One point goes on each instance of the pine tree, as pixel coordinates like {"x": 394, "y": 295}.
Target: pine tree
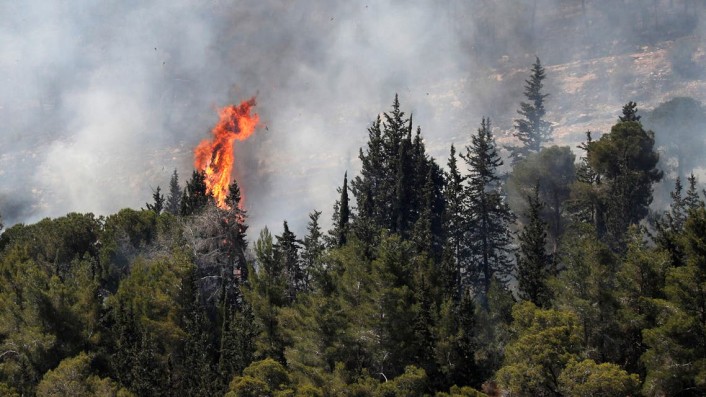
{"x": 553, "y": 170}
{"x": 158, "y": 202}
{"x": 533, "y": 263}
{"x": 531, "y": 129}
{"x": 629, "y": 113}
{"x": 692, "y": 201}
{"x": 586, "y": 205}
{"x": 194, "y": 198}
{"x": 675, "y": 358}
{"x": 488, "y": 215}
{"x": 173, "y": 204}
{"x": 626, "y": 161}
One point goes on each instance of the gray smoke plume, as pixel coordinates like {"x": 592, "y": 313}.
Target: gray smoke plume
{"x": 100, "y": 101}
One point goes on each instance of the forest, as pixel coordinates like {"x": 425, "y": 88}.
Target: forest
{"x": 552, "y": 276}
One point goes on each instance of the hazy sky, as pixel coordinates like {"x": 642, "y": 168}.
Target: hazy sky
{"x": 100, "y": 101}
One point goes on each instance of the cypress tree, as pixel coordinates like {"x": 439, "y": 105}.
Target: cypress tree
{"x": 428, "y": 232}
{"x": 343, "y": 214}
{"x": 402, "y": 209}
{"x": 533, "y": 262}
{"x": 237, "y": 345}
{"x": 197, "y": 361}
{"x": 381, "y": 162}
{"x": 455, "y": 250}
{"x": 313, "y": 248}
{"x": 488, "y": 214}
{"x": 149, "y": 378}
{"x": 367, "y": 186}
{"x": 338, "y": 235}
{"x": 235, "y": 226}
{"x": 423, "y": 326}
{"x": 173, "y": 204}
{"x": 466, "y": 344}
{"x": 126, "y": 339}
{"x": 287, "y": 253}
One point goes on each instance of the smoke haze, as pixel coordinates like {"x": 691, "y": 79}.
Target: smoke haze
{"x": 100, "y": 101}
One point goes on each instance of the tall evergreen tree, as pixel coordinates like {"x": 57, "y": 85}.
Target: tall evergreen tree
{"x": 586, "y": 205}
{"x": 267, "y": 293}
{"x": 428, "y": 231}
{"x": 126, "y": 341}
{"x": 237, "y": 345}
{"x": 630, "y": 113}
{"x": 287, "y": 253}
{"x": 381, "y": 170}
{"x": 343, "y": 218}
{"x": 488, "y": 214}
{"x": 626, "y": 161}
{"x": 149, "y": 377}
{"x": 455, "y": 222}
{"x": 235, "y": 227}
{"x": 313, "y": 248}
{"x": 367, "y": 186}
{"x": 466, "y": 343}
{"x": 676, "y": 354}
{"x": 531, "y": 129}
{"x": 533, "y": 263}
{"x": 403, "y": 204}
{"x": 158, "y": 198}
{"x": 553, "y": 170}
{"x": 173, "y": 204}
{"x": 194, "y": 198}
{"x": 199, "y": 376}
{"x": 423, "y": 325}
{"x": 395, "y": 134}
{"x": 692, "y": 201}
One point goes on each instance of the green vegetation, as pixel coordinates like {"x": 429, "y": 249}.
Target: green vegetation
{"x": 427, "y": 284}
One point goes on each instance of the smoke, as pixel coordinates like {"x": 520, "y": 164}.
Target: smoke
{"x": 100, "y": 101}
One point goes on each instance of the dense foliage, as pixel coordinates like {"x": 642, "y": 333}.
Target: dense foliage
{"x": 427, "y": 284}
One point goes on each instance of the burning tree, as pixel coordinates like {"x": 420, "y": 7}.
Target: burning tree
{"x": 215, "y": 157}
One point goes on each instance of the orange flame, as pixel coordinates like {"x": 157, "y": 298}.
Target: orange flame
{"x": 215, "y": 156}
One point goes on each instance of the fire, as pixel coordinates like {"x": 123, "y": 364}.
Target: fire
{"x": 215, "y": 156}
